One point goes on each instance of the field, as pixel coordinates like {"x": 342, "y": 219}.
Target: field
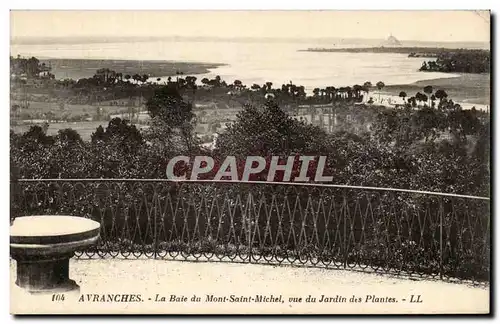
{"x": 85, "y": 129}
{"x": 469, "y": 88}
{"x": 209, "y": 113}
{"x": 82, "y": 68}
{"x": 72, "y": 109}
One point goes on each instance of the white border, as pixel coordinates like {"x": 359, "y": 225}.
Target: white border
{"x": 200, "y": 4}
{"x": 256, "y": 5}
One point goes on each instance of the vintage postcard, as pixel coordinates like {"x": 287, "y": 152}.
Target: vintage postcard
{"x": 250, "y": 162}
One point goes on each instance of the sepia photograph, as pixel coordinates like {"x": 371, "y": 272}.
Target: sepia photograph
{"x": 250, "y": 162}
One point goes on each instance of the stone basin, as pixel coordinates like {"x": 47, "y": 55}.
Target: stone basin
{"x": 42, "y": 246}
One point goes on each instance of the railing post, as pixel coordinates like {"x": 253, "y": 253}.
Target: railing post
{"x": 249, "y": 240}
{"x": 155, "y": 240}
{"x": 250, "y": 236}
{"x": 249, "y": 226}
{"x": 441, "y": 212}
{"x": 345, "y": 229}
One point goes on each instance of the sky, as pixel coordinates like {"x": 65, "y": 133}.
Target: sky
{"x": 439, "y": 26}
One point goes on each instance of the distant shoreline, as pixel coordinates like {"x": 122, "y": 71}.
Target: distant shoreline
{"x": 471, "y": 88}
{"x": 85, "y": 68}
{"x": 413, "y": 51}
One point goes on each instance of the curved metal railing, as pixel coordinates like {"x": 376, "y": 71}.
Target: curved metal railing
{"x": 334, "y": 226}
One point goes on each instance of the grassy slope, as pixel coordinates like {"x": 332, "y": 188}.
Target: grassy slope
{"x": 85, "y": 129}
{"x": 471, "y": 88}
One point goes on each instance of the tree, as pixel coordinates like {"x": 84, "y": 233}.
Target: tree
{"x": 117, "y": 151}
{"x": 269, "y": 85}
{"x": 269, "y": 130}
{"x": 357, "y": 90}
{"x": 137, "y": 77}
{"x": 31, "y": 153}
{"x": 237, "y": 84}
{"x": 441, "y": 94}
{"x": 418, "y": 97}
{"x": 348, "y": 90}
{"x": 167, "y": 105}
{"x": 181, "y": 83}
{"x": 386, "y": 126}
{"x": 217, "y": 80}
{"x": 15, "y": 109}
{"x": 120, "y": 128}
{"x": 191, "y": 81}
{"x": 424, "y": 98}
{"x": 412, "y": 101}
{"x": 380, "y": 86}
{"x": 428, "y": 90}
{"x": 433, "y": 101}
{"x": 98, "y": 136}
{"x": 402, "y": 94}
{"x": 463, "y": 122}
{"x": 426, "y": 123}
{"x": 255, "y": 87}
{"x": 32, "y": 67}
{"x": 68, "y": 137}
{"x": 460, "y": 60}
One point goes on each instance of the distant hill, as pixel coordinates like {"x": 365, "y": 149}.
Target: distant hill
{"x": 433, "y": 52}
{"x": 337, "y": 42}
{"x": 391, "y": 41}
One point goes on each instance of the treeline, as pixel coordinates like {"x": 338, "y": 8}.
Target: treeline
{"x": 462, "y": 61}
{"x": 441, "y": 148}
{"x": 404, "y": 148}
{"x": 29, "y": 68}
{"x": 411, "y": 51}
{"x": 383, "y": 49}
{"x": 110, "y": 85}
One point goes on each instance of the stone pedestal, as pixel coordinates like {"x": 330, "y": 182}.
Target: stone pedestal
{"x": 42, "y": 247}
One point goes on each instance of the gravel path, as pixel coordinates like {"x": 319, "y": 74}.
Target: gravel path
{"x": 149, "y": 278}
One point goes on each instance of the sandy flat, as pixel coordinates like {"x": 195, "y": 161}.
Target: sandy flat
{"x": 148, "y": 278}
{"x": 466, "y": 88}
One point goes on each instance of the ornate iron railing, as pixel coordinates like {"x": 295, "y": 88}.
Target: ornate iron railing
{"x": 371, "y": 229}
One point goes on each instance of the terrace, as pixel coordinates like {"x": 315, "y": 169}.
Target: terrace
{"x": 317, "y": 238}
